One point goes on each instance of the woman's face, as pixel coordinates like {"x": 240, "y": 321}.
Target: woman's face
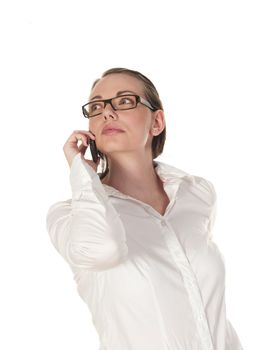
{"x": 136, "y": 123}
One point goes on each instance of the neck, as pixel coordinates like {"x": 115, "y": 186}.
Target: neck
{"x": 136, "y": 177}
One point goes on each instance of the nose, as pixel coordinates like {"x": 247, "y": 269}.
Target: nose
{"x": 109, "y": 112}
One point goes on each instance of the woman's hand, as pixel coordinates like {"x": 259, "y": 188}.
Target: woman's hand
{"x": 71, "y": 148}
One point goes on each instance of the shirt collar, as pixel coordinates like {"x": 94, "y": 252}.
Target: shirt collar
{"x": 170, "y": 174}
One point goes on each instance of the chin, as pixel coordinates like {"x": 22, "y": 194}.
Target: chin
{"x": 110, "y": 146}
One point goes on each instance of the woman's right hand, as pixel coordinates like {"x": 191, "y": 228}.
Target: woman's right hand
{"x": 71, "y": 148}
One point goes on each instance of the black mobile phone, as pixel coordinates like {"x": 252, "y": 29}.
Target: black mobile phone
{"x": 93, "y": 149}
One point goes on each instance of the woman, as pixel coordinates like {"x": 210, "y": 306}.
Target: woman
{"x": 138, "y": 236}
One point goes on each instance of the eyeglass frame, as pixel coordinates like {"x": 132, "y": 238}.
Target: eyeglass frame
{"x": 139, "y": 99}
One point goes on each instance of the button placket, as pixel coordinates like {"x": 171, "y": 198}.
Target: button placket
{"x": 191, "y": 285}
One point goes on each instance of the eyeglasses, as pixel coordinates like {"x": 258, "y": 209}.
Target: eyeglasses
{"x": 124, "y": 102}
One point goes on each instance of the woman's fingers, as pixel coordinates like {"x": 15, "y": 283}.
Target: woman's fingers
{"x": 71, "y": 147}
{"x": 86, "y": 132}
{"x": 82, "y": 138}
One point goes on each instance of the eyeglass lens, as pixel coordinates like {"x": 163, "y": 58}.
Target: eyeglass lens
{"x": 119, "y": 103}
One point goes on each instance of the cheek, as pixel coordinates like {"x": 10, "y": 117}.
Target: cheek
{"x": 95, "y": 127}
{"x": 139, "y": 120}
{"x": 139, "y": 126}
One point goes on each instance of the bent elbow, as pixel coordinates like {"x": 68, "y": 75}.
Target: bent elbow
{"x": 83, "y": 254}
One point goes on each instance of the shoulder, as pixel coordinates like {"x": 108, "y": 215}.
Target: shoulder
{"x": 206, "y": 189}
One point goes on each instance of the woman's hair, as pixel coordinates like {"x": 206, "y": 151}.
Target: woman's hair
{"x": 152, "y": 96}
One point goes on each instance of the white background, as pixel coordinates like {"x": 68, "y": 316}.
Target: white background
{"x": 206, "y": 60}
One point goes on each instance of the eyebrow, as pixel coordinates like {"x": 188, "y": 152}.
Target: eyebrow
{"x": 117, "y": 94}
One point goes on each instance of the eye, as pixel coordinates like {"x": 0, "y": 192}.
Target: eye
{"x": 126, "y": 100}
{"x": 95, "y": 106}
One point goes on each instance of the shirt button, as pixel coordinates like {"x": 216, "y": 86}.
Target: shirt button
{"x": 163, "y": 223}
{"x": 200, "y": 317}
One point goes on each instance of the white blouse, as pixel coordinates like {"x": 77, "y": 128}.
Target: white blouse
{"x": 151, "y": 281}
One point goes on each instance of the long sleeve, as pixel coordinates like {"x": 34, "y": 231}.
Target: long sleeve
{"x": 208, "y": 195}
{"x": 232, "y": 340}
{"x": 213, "y": 210}
{"x": 205, "y": 191}
{"x": 87, "y": 230}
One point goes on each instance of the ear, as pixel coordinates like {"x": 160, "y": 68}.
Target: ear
{"x": 158, "y": 122}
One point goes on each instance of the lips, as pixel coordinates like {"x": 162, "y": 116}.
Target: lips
{"x": 112, "y": 132}
{"x": 108, "y": 129}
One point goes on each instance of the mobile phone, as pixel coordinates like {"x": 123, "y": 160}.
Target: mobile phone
{"x": 93, "y": 149}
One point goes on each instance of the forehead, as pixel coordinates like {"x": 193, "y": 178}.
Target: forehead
{"x": 108, "y": 86}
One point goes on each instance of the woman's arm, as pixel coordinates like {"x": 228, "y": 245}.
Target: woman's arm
{"x": 87, "y": 230}
{"x": 212, "y": 216}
